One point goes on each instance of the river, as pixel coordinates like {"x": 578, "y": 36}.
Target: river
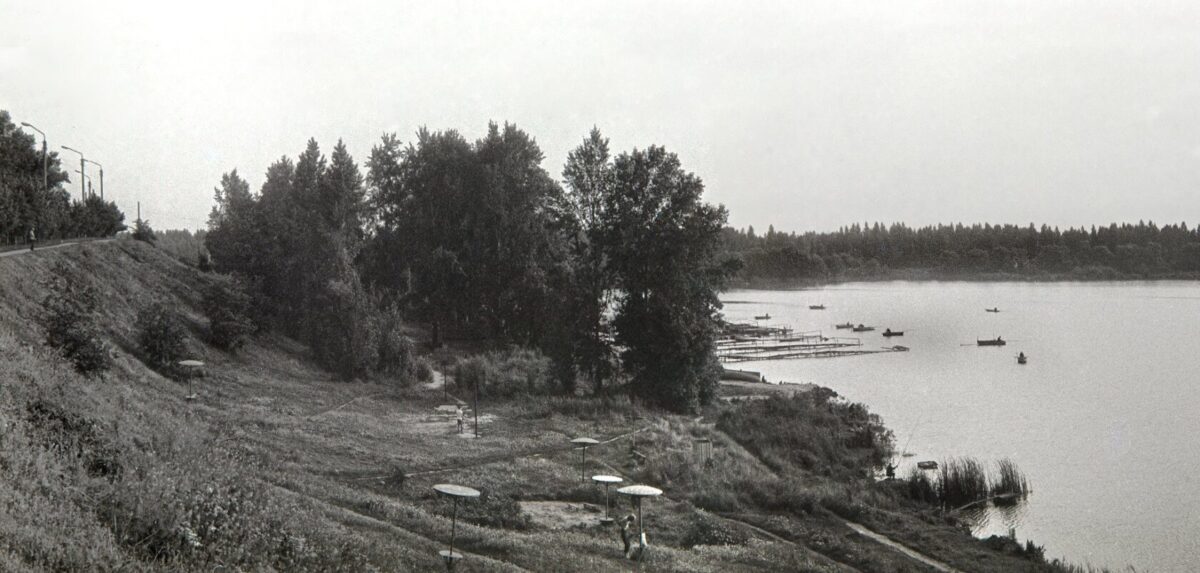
{"x": 1104, "y": 419}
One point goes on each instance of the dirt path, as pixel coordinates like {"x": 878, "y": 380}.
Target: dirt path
{"x": 49, "y": 247}
{"x": 910, "y": 553}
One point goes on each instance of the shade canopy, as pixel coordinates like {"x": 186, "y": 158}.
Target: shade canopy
{"x": 585, "y": 441}
{"x": 640, "y": 491}
{"x": 455, "y": 490}
{"x": 191, "y": 363}
{"x": 607, "y": 479}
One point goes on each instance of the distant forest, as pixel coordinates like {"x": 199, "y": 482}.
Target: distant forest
{"x": 876, "y": 251}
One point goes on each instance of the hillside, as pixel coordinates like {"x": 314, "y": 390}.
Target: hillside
{"x": 278, "y": 466}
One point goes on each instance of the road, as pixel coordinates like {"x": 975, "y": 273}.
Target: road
{"x": 26, "y": 251}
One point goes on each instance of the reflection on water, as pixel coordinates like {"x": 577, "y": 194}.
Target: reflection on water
{"x": 1102, "y": 419}
{"x": 991, "y": 519}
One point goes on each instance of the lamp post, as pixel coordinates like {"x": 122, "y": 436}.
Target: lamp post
{"x": 97, "y": 164}
{"x": 45, "y": 156}
{"x": 82, "y": 171}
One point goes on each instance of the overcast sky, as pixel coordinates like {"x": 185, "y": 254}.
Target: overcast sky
{"x": 805, "y": 115}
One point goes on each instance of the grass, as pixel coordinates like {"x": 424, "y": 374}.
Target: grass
{"x": 279, "y": 467}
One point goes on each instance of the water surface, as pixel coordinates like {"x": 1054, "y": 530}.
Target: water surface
{"x": 1104, "y": 419}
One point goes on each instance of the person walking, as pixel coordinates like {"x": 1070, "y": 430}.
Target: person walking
{"x": 32, "y": 237}
{"x": 459, "y": 414}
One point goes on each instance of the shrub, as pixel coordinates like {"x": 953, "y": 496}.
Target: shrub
{"x": 70, "y": 312}
{"x": 227, "y": 307}
{"x": 705, "y": 530}
{"x": 143, "y": 232}
{"x": 161, "y": 335}
{"x": 504, "y": 374}
{"x": 395, "y": 349}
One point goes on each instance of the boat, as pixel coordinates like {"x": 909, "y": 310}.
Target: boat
{"x": 861, "y": 328}
{"x": 993, "y": 309}
{"x": 898, "y": 348}
{"x": 998, "y": 341}
{"x": 816, "y": 307}
{"x": 890, "y": 332}
{"x": 844, "y": 325}
{"x": 763, "y": 317}
{"x": 927, "y": 465}
{"x": 1021, "y": 359}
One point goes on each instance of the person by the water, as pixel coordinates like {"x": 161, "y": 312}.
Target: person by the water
{"x": 32, "y": 237}
{"x": 459, "y": 414}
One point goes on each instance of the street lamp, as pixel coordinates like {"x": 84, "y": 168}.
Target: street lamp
{"x": 97, "y": 164}
{"x": 45, "y": 156}
{"x": 85, "y": 178}
{"x": 82, "y": 170}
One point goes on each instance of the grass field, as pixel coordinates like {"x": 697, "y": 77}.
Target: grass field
{"x": 277, "y": 466}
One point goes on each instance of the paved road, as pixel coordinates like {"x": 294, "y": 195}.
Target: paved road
{"x": 26, "y": 250}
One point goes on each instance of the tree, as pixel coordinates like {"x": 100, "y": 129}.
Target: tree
{"x": 588, "y": 175}
{"x": 662, "y": 243}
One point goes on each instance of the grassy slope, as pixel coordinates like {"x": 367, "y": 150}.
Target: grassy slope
{"x": 277, "y": 466}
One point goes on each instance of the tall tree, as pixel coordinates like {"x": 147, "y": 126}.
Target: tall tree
{"x": 588, "y": 175}
{"x": 662, "y": 243}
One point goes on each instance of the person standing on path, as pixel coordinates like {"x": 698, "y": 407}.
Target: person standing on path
{"x": 459, "y": 414}
{"x": 32, "y": 237}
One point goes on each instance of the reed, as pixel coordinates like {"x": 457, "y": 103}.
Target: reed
{"x": 962, "y": 481}
{"x": 1010, "y": 481}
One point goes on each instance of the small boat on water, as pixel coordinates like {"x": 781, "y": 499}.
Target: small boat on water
{"x": 844, "y": 325}
{"x": 1021, "y": 359}
{"x": 861, "y": 328}
{"x": 763, "y": 317}
{"x": 816, "y": 307}
{"x": 993, "y": 309}
{"x": 998, "y": 341}
{"x": 898, "y": 348}
{"x": 927, "y": 465}
{"x": 890, "y": 332}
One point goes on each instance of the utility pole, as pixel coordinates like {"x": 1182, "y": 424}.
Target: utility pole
{"x": 82, "y": 170}
{"x": 45, "y": 157}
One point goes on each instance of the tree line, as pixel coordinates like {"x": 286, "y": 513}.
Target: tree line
{"x": 612, "y": 271}
{"x": 1142, "y": 250}
{"x": 33, "y": 194}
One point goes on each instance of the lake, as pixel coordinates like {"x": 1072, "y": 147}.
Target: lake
{"x": 1104, "y": 419}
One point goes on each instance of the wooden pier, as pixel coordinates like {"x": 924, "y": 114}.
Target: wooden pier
{"x": 747, "y": 342}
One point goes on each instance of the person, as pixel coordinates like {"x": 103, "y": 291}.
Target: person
{"x": 628, "y": 532}
{"x": 32, "y": 237}
{"x": 891, "y": 471}
{"x": 459, "y": 414}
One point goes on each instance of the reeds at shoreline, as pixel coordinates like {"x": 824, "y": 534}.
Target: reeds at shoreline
{"x": 965, "y": 481}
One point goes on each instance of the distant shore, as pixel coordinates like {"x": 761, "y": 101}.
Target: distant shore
{"x": 933, "y": 275}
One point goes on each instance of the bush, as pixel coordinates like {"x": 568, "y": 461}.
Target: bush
{"x": 227, "y": 307}
{"x": 504, "y": 374}
{"x": 143, "y": 232}
{"x": 706, "y": 530}
{"x": 395, "y": 349}
{"x": 161, "y": 336}
{"x": 70, "y": 312}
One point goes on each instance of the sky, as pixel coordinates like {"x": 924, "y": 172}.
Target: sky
{"x": 802, "y": 115}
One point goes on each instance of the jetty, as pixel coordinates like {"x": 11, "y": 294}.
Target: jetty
{"x": 746, "y": 343}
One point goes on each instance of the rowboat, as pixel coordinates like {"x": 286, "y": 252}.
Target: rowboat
{"x": 1021, "y": 359}
{"x": 763, "y": 317}
{"x": 993, "y": 309}
{"x": 991, "y": 342}
{"x": 816, "y": 307}
{"x": 844, "y": 325}
{"x": 927, "y": 465}
{"x": 861, "y": 328}
{"x": 890, "y": 332}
